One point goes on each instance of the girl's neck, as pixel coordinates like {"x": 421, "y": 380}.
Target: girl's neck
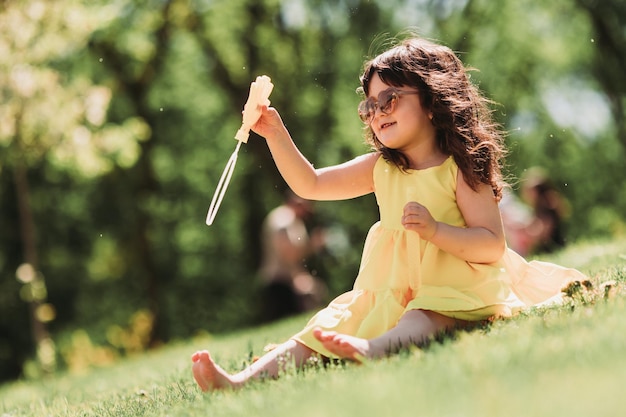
{"x": 426, "y": 160}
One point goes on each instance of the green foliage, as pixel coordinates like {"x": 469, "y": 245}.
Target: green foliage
{"x": 122, "y": 114}
{"x": 560, "y": 360}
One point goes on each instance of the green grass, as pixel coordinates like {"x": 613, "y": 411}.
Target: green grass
{"x": 561, "y": 361}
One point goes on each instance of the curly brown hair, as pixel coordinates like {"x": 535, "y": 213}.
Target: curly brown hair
{"x": 461, "y": 114}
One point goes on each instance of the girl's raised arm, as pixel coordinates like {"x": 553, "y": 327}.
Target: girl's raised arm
{"x": 344, "y": 181}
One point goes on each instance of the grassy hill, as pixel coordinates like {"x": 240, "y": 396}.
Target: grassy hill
{"x": 560, "y": 361}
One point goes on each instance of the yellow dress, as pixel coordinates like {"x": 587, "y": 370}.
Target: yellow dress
{"x": 401, "y": 272}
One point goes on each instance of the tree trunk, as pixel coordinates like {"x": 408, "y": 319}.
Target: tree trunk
{"x": 29, "y": 273}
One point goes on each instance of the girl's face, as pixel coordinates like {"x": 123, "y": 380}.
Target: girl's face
{"x": 408, "y": 126}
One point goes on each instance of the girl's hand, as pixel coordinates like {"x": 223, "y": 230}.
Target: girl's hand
{"x": 416, "y": 217}
{"x": 269, "y": 124}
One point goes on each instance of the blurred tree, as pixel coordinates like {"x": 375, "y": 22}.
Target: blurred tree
{"x": 36, "y": 39}
{"x": 133, "y": 49}
{"x": 608, "y": 21}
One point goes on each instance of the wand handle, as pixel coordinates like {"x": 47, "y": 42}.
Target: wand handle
{"x": 222, "y": 185}
{"x": 260, "y": 90}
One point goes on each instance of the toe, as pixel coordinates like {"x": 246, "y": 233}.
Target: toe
{"x": 201, "y": 356}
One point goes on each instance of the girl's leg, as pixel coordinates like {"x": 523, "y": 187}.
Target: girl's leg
{"x": 416, "y": 327}
{"x": 210, "y": 376}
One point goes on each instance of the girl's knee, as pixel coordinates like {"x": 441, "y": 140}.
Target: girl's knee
{"x": 433, "y": 318}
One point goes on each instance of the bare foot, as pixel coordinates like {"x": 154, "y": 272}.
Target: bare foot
{"x": 344, "y": 346}
{"x": 208, "y": 374}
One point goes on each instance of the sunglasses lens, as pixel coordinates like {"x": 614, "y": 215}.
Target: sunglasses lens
{"x": 386, "y": 103}
{"x": 367, "y": 109}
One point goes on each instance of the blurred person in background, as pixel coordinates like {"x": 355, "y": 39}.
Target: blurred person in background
{"x": 289, "y": 287}
{"x": 534, "y": 222}
{"x": 550, "y": 209}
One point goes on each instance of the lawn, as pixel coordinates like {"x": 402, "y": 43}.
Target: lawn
{"x": 560, "y": 361}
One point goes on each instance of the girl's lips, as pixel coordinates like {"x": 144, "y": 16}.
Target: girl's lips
{"x": 385, "y": 125}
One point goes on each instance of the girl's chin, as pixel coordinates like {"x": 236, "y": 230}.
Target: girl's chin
{"x": 388, "y": 144}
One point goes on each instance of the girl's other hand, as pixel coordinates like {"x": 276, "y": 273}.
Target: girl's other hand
{"x": 417, "y": 218}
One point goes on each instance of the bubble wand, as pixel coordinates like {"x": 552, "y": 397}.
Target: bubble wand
{"x": 260, "y": 90}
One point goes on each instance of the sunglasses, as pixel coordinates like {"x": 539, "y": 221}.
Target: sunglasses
{"x": 386, "y": 103}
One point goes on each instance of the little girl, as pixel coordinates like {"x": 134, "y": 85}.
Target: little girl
{"x": 437, "y": 259}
